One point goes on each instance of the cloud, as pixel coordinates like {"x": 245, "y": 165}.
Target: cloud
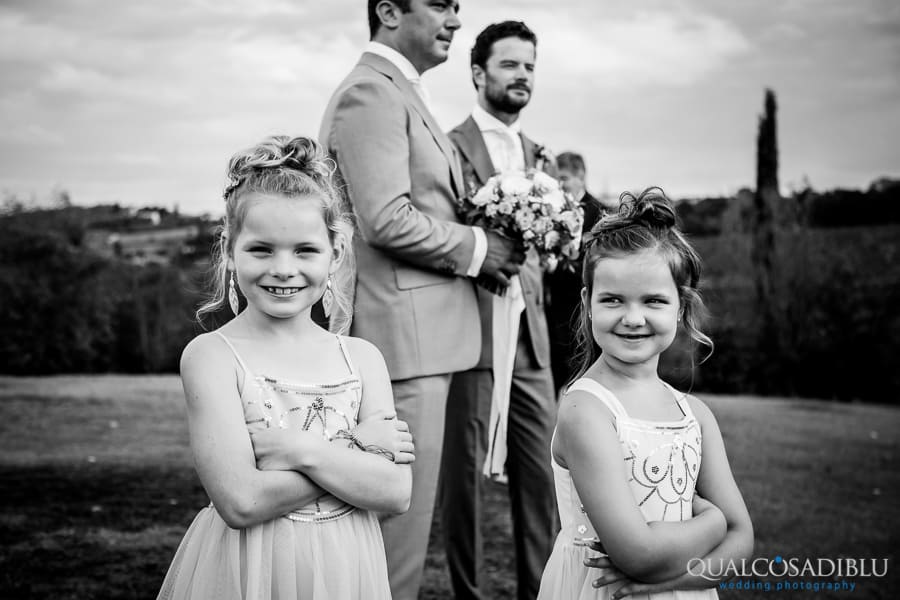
{"x": 31, "y": 133}
{"x": 143, "y": 102}
{"x": 646, "y": 49}
{"x": 156, "y": 88}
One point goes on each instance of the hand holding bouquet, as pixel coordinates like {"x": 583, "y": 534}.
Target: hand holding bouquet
{"x": 530, "y": 208}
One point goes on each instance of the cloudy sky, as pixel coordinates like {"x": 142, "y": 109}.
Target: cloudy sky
{"x": 143, "y": 102}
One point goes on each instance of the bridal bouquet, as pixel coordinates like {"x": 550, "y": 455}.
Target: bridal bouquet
{"x": 533, "y": 209}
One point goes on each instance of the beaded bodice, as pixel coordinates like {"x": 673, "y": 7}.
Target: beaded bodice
{"x": 323, "y": 408}
{"x": 662, "y": 461}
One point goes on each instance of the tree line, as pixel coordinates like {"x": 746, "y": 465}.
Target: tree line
{"x": 833, "y": 330}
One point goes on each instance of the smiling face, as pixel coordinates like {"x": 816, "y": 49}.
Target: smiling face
{"x": 507, "y": 79}
{"x": 282, "y": 255}
{"x": 426, "y": 31}
{"x": 634, "y": 308}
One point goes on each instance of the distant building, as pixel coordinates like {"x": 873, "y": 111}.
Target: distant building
{"x": 143, "y": 245}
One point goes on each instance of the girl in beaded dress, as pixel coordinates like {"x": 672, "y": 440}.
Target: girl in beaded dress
{"x": 292, "y": 427}
{"x": 627, "y": 447}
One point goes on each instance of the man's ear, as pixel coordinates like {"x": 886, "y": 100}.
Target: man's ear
{"x": 389, "y": 14}
{"x": 478, "y": 77}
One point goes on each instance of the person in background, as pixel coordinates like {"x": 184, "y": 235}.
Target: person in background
{"x": 515, "y": 361}
{"x": 563, "y": 286}
{"x": 414, "y": 292}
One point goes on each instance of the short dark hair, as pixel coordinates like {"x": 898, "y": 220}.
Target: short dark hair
{"x": 481, "y": 51}
{"x": 571, "y": 161}
{"x": 375, "y": 22}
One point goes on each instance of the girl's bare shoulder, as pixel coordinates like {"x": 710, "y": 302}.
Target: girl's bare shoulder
{"x": 207, "y": 348}
{"x": 363, "y": 352}
{"x": 580, "y": 409}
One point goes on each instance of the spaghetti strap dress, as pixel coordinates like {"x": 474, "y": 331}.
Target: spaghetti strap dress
{"x": 662, "y": 459}
{"x": 328, "y": 550}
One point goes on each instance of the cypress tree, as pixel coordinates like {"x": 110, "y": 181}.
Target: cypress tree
{"x": 764, "y": 240}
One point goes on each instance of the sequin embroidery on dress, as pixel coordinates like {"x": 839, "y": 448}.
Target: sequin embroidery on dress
{"x": 666, "y": 469}
{"x": 662, "y": 458}
{"x": 328, "y": 550}
{"x": 662, "y": 461}
{"x": 324, "y": 408}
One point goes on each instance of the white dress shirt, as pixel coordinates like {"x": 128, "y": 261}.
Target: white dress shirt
{"x": 503, "y": 141}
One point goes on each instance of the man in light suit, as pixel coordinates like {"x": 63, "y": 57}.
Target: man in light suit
{"x": 490, "y": 141}
{"x": 414, "y": 296}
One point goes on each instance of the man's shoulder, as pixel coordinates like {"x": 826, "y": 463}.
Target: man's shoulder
{"x": 466, "y": 128}
{"x": 465, "y": 135}
{"x": 365, "y": 96}
{"x": 364, "y": 75}
{"x": 371, "y": 74}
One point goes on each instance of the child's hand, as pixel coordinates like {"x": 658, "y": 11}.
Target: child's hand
{"x": 277, "y": 449}
{"x": 610, "y": 575}
{"x": 386, "y": 432}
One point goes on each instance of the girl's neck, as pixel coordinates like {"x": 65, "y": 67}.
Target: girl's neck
{"x": 626, "y": 374}
{"x": 257, "y": 324}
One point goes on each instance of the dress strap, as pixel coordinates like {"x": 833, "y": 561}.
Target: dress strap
{"x": 247, "y": 372}
{"x": 593, "y": 388}
{"x": 681, "y": 401}
{"x": 346, "y": 354}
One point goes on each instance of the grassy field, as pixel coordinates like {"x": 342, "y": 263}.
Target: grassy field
{"x": 97, "y": 487}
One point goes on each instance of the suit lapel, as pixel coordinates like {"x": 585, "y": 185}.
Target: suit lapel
{"x": 471, "y": 144}
{"x": 528, "y": 148}
{"x": 389, "y": 70}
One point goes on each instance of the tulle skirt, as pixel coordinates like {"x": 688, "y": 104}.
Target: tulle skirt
{"x": 280, "y": 559}
{"x": 566, "y": 578}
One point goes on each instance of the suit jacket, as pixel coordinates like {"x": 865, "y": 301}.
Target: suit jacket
{"x": 563, "y": 291}
{"x": 412, "y": 298}
{"x": 477, "y": 169}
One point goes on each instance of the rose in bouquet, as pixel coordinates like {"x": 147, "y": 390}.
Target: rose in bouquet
{"x": 530, "y": 208}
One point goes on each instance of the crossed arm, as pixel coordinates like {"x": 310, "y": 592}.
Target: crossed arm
{"x": 716, "y": 484}
{"x": 301, "y": 466}
{"x": 650, "y": 552}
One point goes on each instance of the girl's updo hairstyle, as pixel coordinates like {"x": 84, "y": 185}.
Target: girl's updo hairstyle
{"x": 296, "y": 167}
{"x": 643, "y": 222}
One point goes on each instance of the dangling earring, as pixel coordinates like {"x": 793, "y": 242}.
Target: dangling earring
{"x": 328, "y": 298}
{"x": 232, "y": 296}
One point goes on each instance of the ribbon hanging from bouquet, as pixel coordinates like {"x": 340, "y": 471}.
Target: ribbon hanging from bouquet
{"x": 506, "y": 314}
